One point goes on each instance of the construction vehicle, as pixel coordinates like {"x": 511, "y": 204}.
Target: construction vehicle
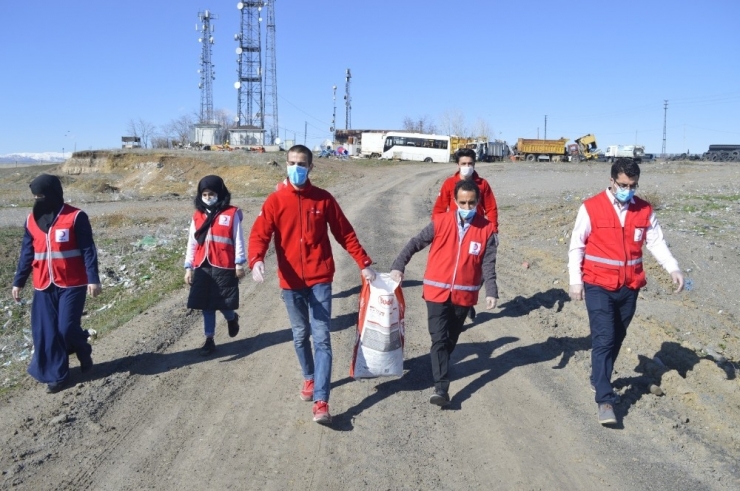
{"x": 535, "y": 150}
{"x": 584, "y": 148}
{"x": 458, "y": 142}
{"x": 489, "y": 151}
{"x": 624, "y": 151}
{"x": 722, "y": 153}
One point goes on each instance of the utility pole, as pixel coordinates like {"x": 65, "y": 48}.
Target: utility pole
{"x": 665, "y": 117}
{"x": 333, "y": 128}
{"x": 545, "y": 127}
{"x": 305, "y": 131}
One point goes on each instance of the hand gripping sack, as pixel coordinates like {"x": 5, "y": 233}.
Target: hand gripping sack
{"x": 380, "y": 330}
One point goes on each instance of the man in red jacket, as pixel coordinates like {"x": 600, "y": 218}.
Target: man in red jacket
{"x": 300, "y": 216}
{"x": 462, "y": 253}
{"x": 465, "y": 158}
{"x": 605, "y": 266}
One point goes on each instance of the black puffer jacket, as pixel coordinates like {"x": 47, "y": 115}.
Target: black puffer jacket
{"x": 214, "y": 289}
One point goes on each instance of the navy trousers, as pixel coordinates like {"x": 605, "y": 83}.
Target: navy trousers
{"x": 56, "y": 328}
{"x": 609, "y": 315}
{"x": 445, "y": 325}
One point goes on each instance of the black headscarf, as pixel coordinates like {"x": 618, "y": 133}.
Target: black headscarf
{"x": 46, "y": 209}
{"x": 215, "y": 184}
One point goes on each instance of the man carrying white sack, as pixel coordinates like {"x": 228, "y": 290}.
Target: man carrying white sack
{"x": 463, "y": 251}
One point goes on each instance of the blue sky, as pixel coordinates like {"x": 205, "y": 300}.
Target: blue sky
{"x": 74, "y": 73}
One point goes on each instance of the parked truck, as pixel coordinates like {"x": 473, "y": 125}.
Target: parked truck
{"x": 722, "y": 153}
{"x": 532, "y": 150}
{"x": 490, "y": 151}
{"x": 635, "y": 152}
{"x": 371, "y": 144}
{"x": 585, "y": 148}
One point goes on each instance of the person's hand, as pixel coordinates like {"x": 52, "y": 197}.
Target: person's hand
{"x": 576, "y": 292}
{"x": 94, "y": 289}
{"x": 396, "y": 275}
{"x": 368, "y": 274}
{"x": 490, "y": 303}
{"x": 188, "y": 276}
{"x": 17, "y": 293}
{"x": 258, "y": 272}
{"x": 240, "y": 273}
{"x": 677, "y": 278}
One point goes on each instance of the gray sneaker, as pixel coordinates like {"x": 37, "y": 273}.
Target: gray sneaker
{"x": 440, "y": 398}
{"x": 606, "y": 414}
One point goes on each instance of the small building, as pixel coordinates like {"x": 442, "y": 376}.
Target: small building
{"x": 130, "y": 142}
{"x": 246, "y": 136}
{"x": 206, "y": 133}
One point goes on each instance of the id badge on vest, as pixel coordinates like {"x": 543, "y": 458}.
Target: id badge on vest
{"x": 474, "y": 248}
{"x": 639, "y": 232}
{"x": 61, "y": 235}
{"x": 224, "y": 220}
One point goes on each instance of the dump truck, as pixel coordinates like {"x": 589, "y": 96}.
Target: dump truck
{"x": 490, "y": 151}
{"x": 532, "y": 150}
{"x": 621, "y": 151}
{"x": 585, "y": 148}
{"x": 722, "y": 153}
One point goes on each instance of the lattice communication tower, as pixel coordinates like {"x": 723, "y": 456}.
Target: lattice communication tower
{"x": 271, "y": 103}
{"x": 348, "y": 103}
{"x": 250, "y": 107}
{"x": 207, "y": 74}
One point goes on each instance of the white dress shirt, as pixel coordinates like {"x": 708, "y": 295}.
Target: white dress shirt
{"x": 654, "y": 240}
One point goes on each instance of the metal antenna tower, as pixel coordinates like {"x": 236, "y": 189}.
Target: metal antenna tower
{"x": 348, "y": 103}
{"x": 271, "y": 103}
{"x": 665, "y": 117}
{"x": 250, "y": 107}
{"x": 333, "y": 128}
{"x": 207, "y": 75}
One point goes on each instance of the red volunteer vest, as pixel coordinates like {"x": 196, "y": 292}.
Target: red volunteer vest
{"x": 613, "y": 255}
{"x": 219, "y": 244}
{"x": 454, "y": 268}
{"x": 57, "y": 258}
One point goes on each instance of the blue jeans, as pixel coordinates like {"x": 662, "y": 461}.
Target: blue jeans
{"x": 609, "y": 315}
{"x": 209, "y": 320}
{"x": 309, "y": 310}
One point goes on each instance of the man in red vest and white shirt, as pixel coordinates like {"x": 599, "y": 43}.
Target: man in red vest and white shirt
{"x": 462, "y": 254}
{"x": 465, "y": 158}
{"x": 606, "y": 269}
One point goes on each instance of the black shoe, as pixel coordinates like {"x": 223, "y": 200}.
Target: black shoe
{"x": 440, "y": 398}
{"x": 55, "y": 387}
{"x": 234, "y": 326}
{"x": 471, "y": 313}
{"x": 208, "y": 348}
{"x": 86, "y": 366}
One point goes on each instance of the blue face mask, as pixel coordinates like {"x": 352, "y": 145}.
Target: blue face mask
{"x": 466, "y": 214}
{"x": 297, "y": 174}
{"x": 624, "y": 195}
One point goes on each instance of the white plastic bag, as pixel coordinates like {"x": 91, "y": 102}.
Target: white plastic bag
{"x": 380, "y": 330}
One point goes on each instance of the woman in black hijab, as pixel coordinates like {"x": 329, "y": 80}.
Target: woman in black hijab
{"x": 214, "y": 258}
{"x": 59, "y": 252}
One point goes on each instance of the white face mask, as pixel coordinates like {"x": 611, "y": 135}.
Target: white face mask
{"x": 210, "y": 201}
{"x": 466, "y": 170}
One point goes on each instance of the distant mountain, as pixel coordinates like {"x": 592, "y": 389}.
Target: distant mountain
{"x": 32, "y": 158}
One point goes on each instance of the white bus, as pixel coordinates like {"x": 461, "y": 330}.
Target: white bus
{"x": 416, "y": 146}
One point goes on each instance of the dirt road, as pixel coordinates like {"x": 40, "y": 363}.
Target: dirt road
{"x": 153, "y": 414}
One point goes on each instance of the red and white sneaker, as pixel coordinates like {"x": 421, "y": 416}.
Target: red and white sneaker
{"x": 307, "y": 390}
{"x": 321, "y": 412}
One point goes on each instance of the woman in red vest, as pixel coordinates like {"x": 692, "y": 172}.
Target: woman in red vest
{"x": 58, "y": 250}
{"x": 461, "y": 257}
{"x": 214, "y": 259}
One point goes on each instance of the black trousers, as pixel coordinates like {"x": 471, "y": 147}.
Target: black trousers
{"x": 609, "y": 315}
{"x": 445, "y": 325}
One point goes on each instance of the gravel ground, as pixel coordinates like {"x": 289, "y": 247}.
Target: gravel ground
{"x": 154, "y": 414}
